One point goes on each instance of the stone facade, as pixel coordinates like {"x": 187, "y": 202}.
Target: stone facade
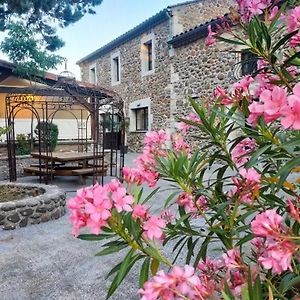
{"x": 48, "y": 205}
{"x": 190, "y": 69}
{"x": 185, "y": 17}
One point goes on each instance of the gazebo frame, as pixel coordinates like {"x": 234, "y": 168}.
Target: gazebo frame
{"x": 67, "y": 94}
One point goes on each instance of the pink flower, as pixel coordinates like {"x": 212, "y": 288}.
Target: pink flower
{"x": 177, "y": 284}
{"x": 268, "y": 223}
{"x": 132, "y": 175}
{"x": 256, "y": 110}
{"x": 277, "y": 256}
{"x": 167, "y": 215}
{"x": 210, "y": 40}
{"x": 291, "y": 112}
{"x": 293, "y": 20}
{"x": 232, "y": 259}
{"x": 186, "y": 200}
{"x": 244, "y": 83}
{"x": 274, "y": 100}
{"x": 251, "y": 175}
{"x": 153, "y": 228}
{"x": 184, "y": 127}
{"x": 294, "y": 209}
{"x": 122, "y": 202}
{"x": 139, "y": 212}
{"x": 179, "y": 144}
{"x": 101, "y": 205}
{"x": 155, "y": 137}
{"x": 240, "y": 153}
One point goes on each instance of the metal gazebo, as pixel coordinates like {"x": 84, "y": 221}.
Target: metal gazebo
{"x": 95, "y": 109}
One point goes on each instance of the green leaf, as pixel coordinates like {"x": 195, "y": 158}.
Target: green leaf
{"x": 283, "y": 41}
{"x": 151, "y": 195}
{"x": 94, "y": 237}
{"x": 290, "y": 60}
{"x": 291, "y": 283}
{"x": 257, "y": 289}
{"x": 111, "y": 249}
{"x": 230, "y": 41}
{"x": 286, "y": 169}
{"x": 144, "y": 274}
{"x": 256, "y": 154}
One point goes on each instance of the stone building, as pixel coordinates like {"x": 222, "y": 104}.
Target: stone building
{"x": 155, "y": 66}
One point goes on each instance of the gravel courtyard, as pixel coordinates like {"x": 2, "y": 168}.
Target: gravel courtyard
{"x": 45, "y": 261}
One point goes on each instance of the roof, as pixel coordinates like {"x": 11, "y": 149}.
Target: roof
{"x": 158, "y": 18}
{"x": 8, "y": 66}
{"x": 198, "y": 32}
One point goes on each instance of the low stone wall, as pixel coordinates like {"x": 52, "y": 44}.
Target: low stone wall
{"x": 47, "y": 206}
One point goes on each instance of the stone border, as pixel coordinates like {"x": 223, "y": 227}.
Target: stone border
{"x": 32, "y": 210}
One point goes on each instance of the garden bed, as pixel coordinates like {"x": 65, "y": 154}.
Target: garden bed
{"x": 25, "y": 204}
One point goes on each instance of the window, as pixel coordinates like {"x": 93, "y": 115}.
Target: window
{"x": 92, "y": 75}
{"x": 248, "y": 63}
{"x": 141, "y": 119}
{"x": 147, "y": 55}
{"x": 115, "y": 68}
{"x": 149, "y": 58}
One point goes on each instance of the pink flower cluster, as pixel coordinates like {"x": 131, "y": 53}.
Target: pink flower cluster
{"x": 152, "y": 225}
{"x": 92, "y": 205}
{"x": 240, "y": 91}
{"x": 145, "y": 172}
{"x": 179, "y": 283}
{"x": 241, "y": 152}
{"x": 184, "y": 127}
{"x": 186, "y": 201}
{"x": 250, "y": 8}
{"x": 274, "y": 103}
{"x": 274, "y": 247}
{"x": 293, "y": 24}
{"x": 247, "y": 188}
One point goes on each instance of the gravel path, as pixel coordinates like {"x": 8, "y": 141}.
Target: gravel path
{"x": 45, "y": 261}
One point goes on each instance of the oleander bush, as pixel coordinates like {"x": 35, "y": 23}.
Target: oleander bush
{"x": 234, "y": 204}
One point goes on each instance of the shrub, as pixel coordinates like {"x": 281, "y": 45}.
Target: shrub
{"x": 23, "y": 144}
{"x": 52, "y": 135}
{"x": 246, "y": 209}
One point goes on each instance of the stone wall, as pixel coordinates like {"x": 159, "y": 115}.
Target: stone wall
{"x": 133, "y": 85}
{"x": 191, "y": 15}
{"x": 21, "y": 162}
{"x": 196, "y": 71}
{"x": 49, "y": 205}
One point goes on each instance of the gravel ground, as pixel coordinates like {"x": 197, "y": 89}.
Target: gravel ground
{"x": 45, "y": 261}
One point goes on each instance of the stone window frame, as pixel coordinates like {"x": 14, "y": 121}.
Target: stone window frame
{"x": 95, "y": 79}
{"x": 135, "y": 105}
{"x": 113, "y": 70}
{"x": 144, "y": 52}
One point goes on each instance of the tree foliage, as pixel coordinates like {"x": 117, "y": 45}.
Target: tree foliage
{"x": 31, "y": 27}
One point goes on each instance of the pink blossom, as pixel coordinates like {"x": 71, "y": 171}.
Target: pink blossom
{"x": 240, "y": 153}
{"x": 232, "y": 259}
{"x": 294, "y": 209}
{"x": 186, "y": 200}
{"x": 291, "y": 112}
{"x": 244, "y": 83}
{"x": 179, "y": 144}
{"x": 155, "y": 138}
{"x": 167, "y": 215}
{"x": 122, "y": 202}
{"x": 251, "y": 175}
{"x": 178, "y": 283}
{"x": 222, "y": 95}
{"x": 210, "y": 40}
{"x": 274, "y": 100}
{"x": 132, "y": 175}
{"x": 250, "y": 8}
{"x": 277, "y": 256}
{"x": 153, "y": 228}
{"x": 267, "y": 223}
{"x": 294, "y": 41}
{"x": 140, "y": 212}
{"x": 256, "y": 110}
{"x": 293, "y": 19}
{"x": 184, "y": 127}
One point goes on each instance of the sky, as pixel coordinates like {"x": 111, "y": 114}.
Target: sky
{"x": 112, "y": 18}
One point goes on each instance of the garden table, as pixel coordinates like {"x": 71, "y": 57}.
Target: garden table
{"x": 69, "y": 164}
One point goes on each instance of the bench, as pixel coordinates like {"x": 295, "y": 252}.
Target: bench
{"x": 82, "y": 173}
{"x": 37, "y": 171}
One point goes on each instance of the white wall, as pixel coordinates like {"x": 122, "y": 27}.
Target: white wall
{"x": 67, "y": 128}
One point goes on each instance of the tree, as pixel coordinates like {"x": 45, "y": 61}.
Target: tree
{"x": 31, "y": 27}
